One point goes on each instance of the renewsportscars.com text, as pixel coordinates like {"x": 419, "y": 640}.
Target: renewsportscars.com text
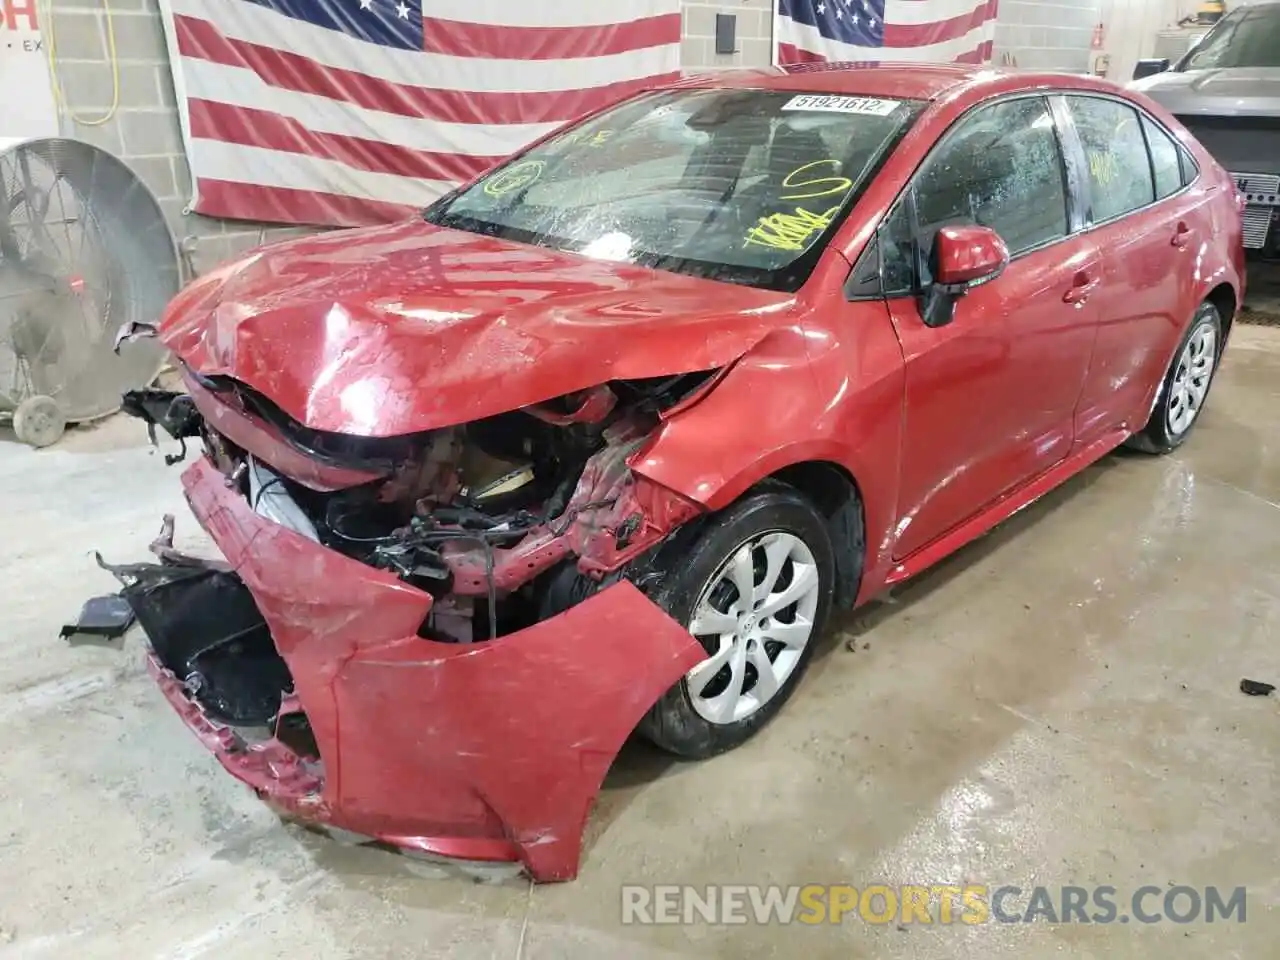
{"x": 929, "y": 904}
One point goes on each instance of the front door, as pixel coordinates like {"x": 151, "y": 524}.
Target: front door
{"x": 990, "y": 397}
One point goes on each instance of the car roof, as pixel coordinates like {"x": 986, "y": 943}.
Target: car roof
{"x": 904, "y": 81}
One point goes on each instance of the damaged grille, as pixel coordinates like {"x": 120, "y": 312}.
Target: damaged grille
{"x": 504, "y": 521}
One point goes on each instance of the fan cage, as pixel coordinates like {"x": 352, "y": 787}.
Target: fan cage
{"x": 84, "y": 249}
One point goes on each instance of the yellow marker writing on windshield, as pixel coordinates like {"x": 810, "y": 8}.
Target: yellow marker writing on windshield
{"x": 806, "y": 182}
{"x": 789, "y": 231}
{"x": 513, "y": 178}
{"x": 585, "y": 139}
{"x": 794, "y": 231}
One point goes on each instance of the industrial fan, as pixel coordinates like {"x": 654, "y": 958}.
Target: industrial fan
{"x": 84, "y": 249}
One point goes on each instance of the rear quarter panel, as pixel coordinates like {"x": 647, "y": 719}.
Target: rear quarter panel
{"x": 1223, "y": 260}
{"x": 1220, "y": 258}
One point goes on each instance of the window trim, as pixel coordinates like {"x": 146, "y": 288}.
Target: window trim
{"x": 863, "y": 287}
{"x": 1079, "y": 194}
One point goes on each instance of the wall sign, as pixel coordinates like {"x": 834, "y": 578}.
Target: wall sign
{"x": 27, "y": 106}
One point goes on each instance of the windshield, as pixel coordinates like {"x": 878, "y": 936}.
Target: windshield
{"x": 737, "y": 185}
{"x": 1246, "y": 38}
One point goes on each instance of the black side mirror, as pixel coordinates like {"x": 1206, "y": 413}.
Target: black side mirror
{"x": 1149, "y": 68}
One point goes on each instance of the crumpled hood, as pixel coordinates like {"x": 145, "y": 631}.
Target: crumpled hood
{"x": 1244, "y": 91}
{"x": 397, "y": 329}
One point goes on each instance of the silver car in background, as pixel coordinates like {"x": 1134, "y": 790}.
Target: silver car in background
{"x": 1226, "y": 90}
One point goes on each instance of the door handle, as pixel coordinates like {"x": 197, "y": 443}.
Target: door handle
{"x": 1082, "y": 285}
{"x": 1181, "y": 235}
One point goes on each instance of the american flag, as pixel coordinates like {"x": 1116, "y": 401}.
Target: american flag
{"x": 347, "y": 112}
{"x": 884, "y": 30}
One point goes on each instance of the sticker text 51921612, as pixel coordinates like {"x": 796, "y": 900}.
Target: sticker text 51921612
{"x": 824, "y": 103}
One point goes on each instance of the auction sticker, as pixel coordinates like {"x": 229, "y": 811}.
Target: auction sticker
{"x": 833, "y": 104}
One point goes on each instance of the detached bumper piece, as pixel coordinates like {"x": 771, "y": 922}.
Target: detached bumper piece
{"x": 107, "y": 617}
{"x": 205, "y": 630}
{"x": 482, "y": 751}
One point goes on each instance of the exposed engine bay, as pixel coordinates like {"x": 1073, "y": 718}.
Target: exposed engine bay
{"x": 505, "y": 521}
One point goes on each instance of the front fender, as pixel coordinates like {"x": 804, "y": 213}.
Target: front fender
{"x": 759, "y": 419}
{"x": 831, "y": 391}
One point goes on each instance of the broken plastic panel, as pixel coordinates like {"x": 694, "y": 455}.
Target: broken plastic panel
{"x": 108, "y": 617}
{"x": 204, "y": 626}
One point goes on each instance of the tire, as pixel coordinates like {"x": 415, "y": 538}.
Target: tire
{"x": 781, "y": 533}
{"x": 1177, "y": 408}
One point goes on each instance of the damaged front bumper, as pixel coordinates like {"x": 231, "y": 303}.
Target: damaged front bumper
{"x": 481, "y": 751}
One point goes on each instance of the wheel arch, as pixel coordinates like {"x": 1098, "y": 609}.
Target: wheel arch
{"x": 834, "y": 491}
{"x": 1225, "y": 298}
{"x": 1227, "y": 302}
{"x": 818, "y": 469}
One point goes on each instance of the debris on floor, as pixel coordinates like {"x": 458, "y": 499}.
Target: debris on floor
{"x": 108, "y": 617}
{"x": 1256, "y": 688}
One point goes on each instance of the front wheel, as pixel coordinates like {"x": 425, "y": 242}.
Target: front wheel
{"x": 1185, "y": 386}
{"x": 754, "y": 588}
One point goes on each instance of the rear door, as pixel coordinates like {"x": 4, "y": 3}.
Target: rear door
{"x": 1150, "y": 223}
{"x": 990, "y": 397}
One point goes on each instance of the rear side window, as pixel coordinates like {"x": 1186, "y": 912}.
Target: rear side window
{"x": 1119, "y": 166}
{"x": 1166, "y": 162}
{"x": 999, "y": 167}
{"x": 1189, "y": 169}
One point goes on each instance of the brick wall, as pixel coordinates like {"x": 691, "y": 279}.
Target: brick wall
{"x": 754, "y": 34}
{"x": 1047, "y": 34}
{"x": 144, "y": 130}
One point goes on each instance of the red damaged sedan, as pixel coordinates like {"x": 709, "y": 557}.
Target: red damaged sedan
{"x": 597, "y": 443}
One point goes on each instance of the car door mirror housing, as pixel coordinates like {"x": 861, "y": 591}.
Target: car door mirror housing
{"x": 1149, "y": 68}
{"x": 963, "y": 257}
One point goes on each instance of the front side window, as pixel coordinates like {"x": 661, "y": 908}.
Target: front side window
{"x": 999, "y": 167}
{"x": 1119, "y": 167}
{"x": 732, "y": 184}
{"x": 1244, "y": 38}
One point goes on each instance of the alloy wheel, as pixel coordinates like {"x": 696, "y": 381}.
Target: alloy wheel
{"x": 755, "y": 616}
{"x": 1191, "y": 379}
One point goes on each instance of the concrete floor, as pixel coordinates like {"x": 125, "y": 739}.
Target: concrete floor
{"x": 1057, "y": 705}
